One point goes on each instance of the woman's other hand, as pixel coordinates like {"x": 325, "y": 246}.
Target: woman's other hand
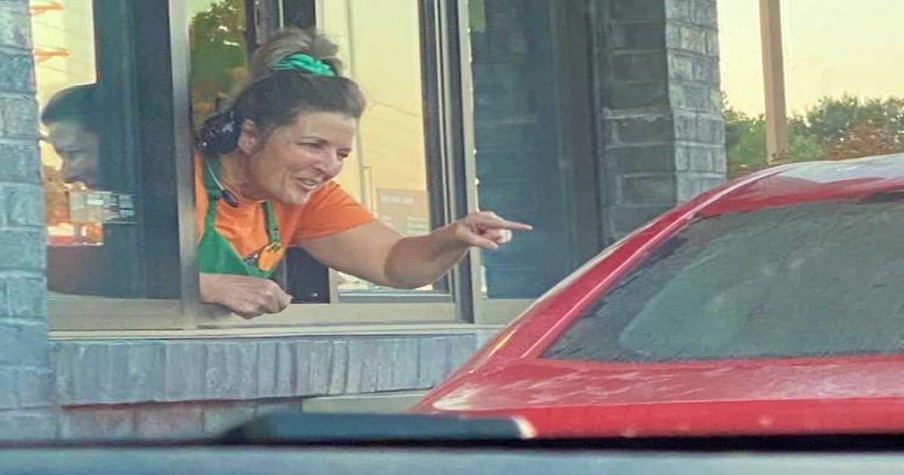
{"x": 247, "y": 297}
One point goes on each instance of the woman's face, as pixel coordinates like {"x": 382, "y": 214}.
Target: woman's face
{"x": 296, "y": 159}
{"x": 78, "y": 147}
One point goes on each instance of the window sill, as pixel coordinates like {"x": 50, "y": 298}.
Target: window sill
{"x": 94, "y": 316}
{"x": 81, "y": 312}
{"x": 374, "y": 329}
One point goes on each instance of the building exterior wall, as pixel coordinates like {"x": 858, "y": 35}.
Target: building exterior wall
{"x": 26, "y": 383}
{"x": 660, "y": 141}
{"x": 661, "y": 135}
{"x": 154, "y": 388}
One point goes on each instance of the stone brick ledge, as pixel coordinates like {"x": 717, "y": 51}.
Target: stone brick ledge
{"x": 133, "y": 371}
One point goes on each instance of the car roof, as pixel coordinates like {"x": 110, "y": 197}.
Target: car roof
{"x": 810, "y": 181}
{"x": 777, "y": 186}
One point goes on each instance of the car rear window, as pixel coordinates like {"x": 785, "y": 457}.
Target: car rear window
{"x": 807, "y": 280}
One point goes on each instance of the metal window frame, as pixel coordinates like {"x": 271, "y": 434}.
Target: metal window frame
{"x": 572, "y": 54}
{"x": 81, "y": 312}
{"x": 483, "y": 310}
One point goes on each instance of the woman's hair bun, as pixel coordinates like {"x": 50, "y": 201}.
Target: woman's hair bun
{"x": 288, "y": 41}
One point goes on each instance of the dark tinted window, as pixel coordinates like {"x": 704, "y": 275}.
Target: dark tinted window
{"x": 104, "y": 85}
{"x": 814, "y": 279}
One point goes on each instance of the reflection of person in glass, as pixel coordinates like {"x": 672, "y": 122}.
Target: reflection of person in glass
{"x": 74, "y": 249}
{"x": 264, "y": 182}
{"x": 67, "y": 117}
{"x": 69, "y": 120}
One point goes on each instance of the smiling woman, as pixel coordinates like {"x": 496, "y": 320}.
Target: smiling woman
{"x": 264, "y": 183}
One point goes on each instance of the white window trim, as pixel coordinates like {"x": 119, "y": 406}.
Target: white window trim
{"x": 485, "y": 310}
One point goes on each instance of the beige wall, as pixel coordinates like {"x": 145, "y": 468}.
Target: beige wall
{"x": 380, "y": 45}
{"x": 64, "y": 54}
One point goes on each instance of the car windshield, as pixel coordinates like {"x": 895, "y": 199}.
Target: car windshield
{"x": 808, "y": 280}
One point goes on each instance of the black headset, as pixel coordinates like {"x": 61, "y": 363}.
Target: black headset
{"x": 219, "y": 134}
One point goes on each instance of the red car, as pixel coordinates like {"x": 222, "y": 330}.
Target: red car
{"x": 773, "y": 304}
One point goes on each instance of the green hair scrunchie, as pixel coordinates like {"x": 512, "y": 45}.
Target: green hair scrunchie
{"x": 304, "y": 62}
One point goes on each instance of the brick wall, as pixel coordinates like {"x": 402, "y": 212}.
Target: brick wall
{"x": 26, "y": 398}
{"x": 661, "y": 134}
{"x": 692, "y": 44}
{"x": 155, "y": 388}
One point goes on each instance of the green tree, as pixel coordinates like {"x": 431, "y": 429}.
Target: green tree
{"x": 831, "y": 118}
{"x": 218, "y": 54}
{"x": 745, "y": 141}
{"x": 803, "y": 144}
{"x": 834, "y": 129}
{"x": 851, "y": 127}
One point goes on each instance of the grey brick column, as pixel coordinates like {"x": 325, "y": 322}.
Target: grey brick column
{"x": 26, "y": 396}
{"x": 661, "y": 135}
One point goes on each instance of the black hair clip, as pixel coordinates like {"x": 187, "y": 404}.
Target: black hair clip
{"x": 220, "y": 133}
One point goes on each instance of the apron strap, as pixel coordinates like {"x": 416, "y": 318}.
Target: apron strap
{"x": 215, "y": 194}
{"x": 272, "y": 225}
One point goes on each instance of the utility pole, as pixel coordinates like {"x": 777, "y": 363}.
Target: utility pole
{"x": 774, "y": 79}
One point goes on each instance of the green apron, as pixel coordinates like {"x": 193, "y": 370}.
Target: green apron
{"x": 216, "y": 255}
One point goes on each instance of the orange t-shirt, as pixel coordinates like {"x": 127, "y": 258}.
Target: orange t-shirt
{"x": 329, "y": 210}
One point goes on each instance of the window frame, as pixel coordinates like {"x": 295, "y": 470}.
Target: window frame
{"x": 83, "y": 311}
{"x": 571, "y": 48}
{"x": 450, "y": 142}
{"x": 72, "y": 316}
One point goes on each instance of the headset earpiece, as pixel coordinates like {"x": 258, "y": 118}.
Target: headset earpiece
{"x": 220, "y": 132}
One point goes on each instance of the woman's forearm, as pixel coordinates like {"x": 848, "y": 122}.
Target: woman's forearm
{"x": 421, "y": 260}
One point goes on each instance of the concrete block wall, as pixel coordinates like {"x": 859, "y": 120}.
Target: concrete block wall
{"x": 692, "y": 44}
{"x": 194, "y": 388}
{"x": 26, "y": 381}
{"x": 661, "y": 138}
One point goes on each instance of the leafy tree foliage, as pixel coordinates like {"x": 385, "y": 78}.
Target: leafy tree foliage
{"x": 218, "y": 55}
{"x": 834, "y": 129}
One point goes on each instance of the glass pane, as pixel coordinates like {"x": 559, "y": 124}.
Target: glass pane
{"x": 64, "y": 58}
{"x": 809, "y": 280}
{"x": 80, "y": 207}
{"x": 218, "y": 54}
{"x": 387, "y": 171}
{"x": 98, "y": 91}
{"x": 521, "y": 171}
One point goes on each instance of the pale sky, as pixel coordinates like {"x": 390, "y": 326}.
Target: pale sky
{"x": 830, "y": 47}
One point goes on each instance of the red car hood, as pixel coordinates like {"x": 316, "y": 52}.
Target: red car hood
{"x": 574, "y": 399}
